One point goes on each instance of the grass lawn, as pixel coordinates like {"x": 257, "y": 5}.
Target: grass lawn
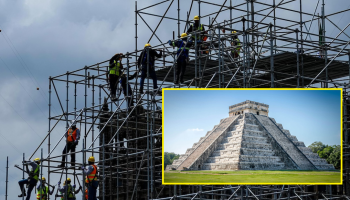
{"x": 250, "y": 176}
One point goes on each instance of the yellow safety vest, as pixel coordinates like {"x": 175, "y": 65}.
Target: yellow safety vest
{"x": 44, "y": 191}
{"x": 114, "y": 68}
{"x": 238, "y": 48}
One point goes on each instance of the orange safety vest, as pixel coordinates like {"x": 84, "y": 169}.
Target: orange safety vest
{"x": 86, "y": 194}
{"x": 92, "y": 176}
{"x": 71, "y": 135}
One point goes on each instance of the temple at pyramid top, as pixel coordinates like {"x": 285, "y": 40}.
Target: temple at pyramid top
{"x": 249, "y": 107}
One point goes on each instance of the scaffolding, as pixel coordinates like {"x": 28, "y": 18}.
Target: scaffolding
{"x": 276, "y": 52}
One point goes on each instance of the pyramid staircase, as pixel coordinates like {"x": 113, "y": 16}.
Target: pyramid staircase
{"x": 249, "y": 142}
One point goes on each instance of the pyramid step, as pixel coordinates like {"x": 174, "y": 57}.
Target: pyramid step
{"x": 259, "y": 152}
{"x": 254, "y": 133}
{"x": 255, "y": 139}
{"x": 232, "y": 139}
{"x": 218, "y": 166}
{"x": 229, "y": 146}
{"x": 223, "y": 159}
{"x": 325, "y": 167}
{"x": 262, "y": 146}
{"x": 260, "y": 165}
{"x": 253, "y": 127}
{"x": 256, "y": 158}
{"x": 226, "y": 152}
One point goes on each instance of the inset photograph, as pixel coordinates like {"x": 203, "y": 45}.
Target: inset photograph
{"x": 247, "y": 136}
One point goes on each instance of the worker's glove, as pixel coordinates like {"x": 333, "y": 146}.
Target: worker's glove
{"x": 169, "y": 42}
{"x": 74, "y": 186}
{"x": 82, "y": 167}
{"x": 76, "y": 142}
{"x": 59, "y": 183}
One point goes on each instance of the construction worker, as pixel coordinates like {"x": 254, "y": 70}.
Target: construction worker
{"x": 68, "y": 191}
{"x": 91, "y": 178}
{"x": 148, "y": 60}
{"x": 43, "y": 190}
{"x": 72, "y": 136}
{"x": 236, "y": 44}
{"x": 196, "y": 27}
{"x": 182, "y": 56}
{"x": 126, "y": 87}
{"x": 32, "y": 179}
{"x": 115, "y": 67}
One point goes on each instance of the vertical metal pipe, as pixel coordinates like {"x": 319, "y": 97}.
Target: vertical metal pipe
{"x": 195, "y": 56}
{"x": 93, "y": 114}
{"x": 83, "y": 161}
{"x": 41, "y": 172}
{"x": 220, "y": 56}
{"x": 103, "y": 168}
{"x": 324, "y": 43}
{"x": 230, "y": 15}
{"x": 23, "y": 174}
{"x": 271, "y": 58}
{"x": 178, "y": 19}
{"x": 148, "y": 132}
{"x": 245, "y": 52}
{"x": 301, "y": 43}
{"x": 288, "y": 192}
{"x": 75, "y": 99}
{"x": 67, "y": 99}
{"x": 296, "y": 31}
{"x": 274, "y": 23}
{"x": 7, "y": 175}
{"x": 49, "y": 138}
{"x": 85, "y": 105}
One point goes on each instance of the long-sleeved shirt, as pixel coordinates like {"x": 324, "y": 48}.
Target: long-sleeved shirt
{"x": 181, "y": 44}
{"x": 152, "y": 54}
{"x": 193, "y": 28}
{"x": 88, "y": 170}
{"x": 39, "y": 187}
{"x": 78, "y": 134}
{"x": 62, "y": 190}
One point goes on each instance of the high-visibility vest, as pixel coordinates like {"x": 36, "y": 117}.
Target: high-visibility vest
{"x": 182, "y": 48}
{"x": 72, "y": 135}
{"x": 238, "y": 48}
{"x": 114, "y": 68}
{"x": 35, "y": 174}
{"x": 92, "y": 176}
{"x": 199, "y": 28}
{"x": 86, "y": 194}
{"x": 42, "y": 192}
{"x": 70, "y": 192}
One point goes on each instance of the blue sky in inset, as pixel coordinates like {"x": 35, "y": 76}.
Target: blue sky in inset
{"x": 310, "y": 115}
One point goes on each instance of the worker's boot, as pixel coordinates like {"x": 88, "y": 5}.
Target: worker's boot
{"x": 61, "y": 165}
{"x": 23, "y": 193}
{"x": 176, "y": 79}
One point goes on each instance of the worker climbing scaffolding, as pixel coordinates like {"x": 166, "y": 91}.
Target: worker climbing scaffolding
{"x": 183, "y": 47}
{"x": 113, "y": 74}
{"x": 68, "y": 191}
{"x": 43, "y": 190}
{"x": 32, "y": 179}
{"x": 146, "y": 64}
{"x": 236, "y": 45}
{"x": 91, "y": 178}
{"x": 72, "y": 137}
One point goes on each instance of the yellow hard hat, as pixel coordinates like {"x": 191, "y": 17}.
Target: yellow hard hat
{"x": 91, "y": 159}
{"x": 68, "y": 179}
{"x": 37, "y": 160}
{"x": 234, "y": 32}
{"x": 183, "y": 35}
{"x": 43, "y": 179}
{"x": 147, "y": 45}
{"x": 196, "y": 17}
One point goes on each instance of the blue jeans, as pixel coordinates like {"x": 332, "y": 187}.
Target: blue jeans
{"x": 152, "y": 74}
{"x": 32, "y": 184}
{"x": 92, "y": 190}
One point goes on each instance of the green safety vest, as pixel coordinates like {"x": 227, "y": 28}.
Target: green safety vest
{"x": 43, "y": 191}
{"x": 70, "y": 192}
{"x": 187, "y": 48}
{"x": 35, "y": 174}
{"x": 114, "y": 68}
{"x": 238, "y": 46}
{"x": 200, "y": 28}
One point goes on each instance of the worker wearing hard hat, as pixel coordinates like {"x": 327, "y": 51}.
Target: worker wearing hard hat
{"x": 32, "y": 179}
{"x": 236, "y": 45}
{"x": 72, "y": 136}
{"x": 196, "y": 27}
{"x": 182, "y": 56}
{"x": 147, "y": 59}
{"x": 67, "y": 190}
{"x": 113, "y": 74}
{"x": 43, "y": 190}
{"x": 91, "y": 178}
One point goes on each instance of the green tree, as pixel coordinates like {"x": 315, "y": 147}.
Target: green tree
{"x": 326, "y": 152}
{"x": 317, "y": 146}
{"x": 334, "y": 157}
{"x": 169, "y": 158}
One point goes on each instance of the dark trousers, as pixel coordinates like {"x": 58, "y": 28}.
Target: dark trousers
{"x": 113, "y": 80}
{"x": 127, "y": 91}
{"x": 180, "y": 71}
{"x": 92, "y": 190}
{"x": 32, "y": 184}
{"x": 69, "y": 147}
{"x": 152, "y": 74}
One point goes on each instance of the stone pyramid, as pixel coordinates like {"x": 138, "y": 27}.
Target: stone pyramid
{"x": 249, "y": 140}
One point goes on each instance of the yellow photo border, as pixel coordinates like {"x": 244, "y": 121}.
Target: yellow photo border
{"x": 341, "y": 136}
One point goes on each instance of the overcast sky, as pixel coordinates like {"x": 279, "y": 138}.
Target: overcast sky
{"x": 45, "y": 38}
